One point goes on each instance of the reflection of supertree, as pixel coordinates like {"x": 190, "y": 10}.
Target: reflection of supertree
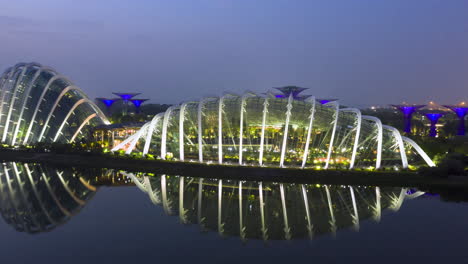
{"x": 461, "y": 110}
{"x": 407, "y": 111}
{"x": 38, "y": 199}
{"x": 268, "y": 211}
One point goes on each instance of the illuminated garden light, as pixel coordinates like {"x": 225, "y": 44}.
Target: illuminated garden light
{"x": 407, "y": 111}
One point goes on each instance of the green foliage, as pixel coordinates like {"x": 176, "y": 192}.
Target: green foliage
{"x": 450, "y": 164}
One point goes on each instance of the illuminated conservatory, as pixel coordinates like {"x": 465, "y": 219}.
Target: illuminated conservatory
{"x": 40, "y": 105}
{"x": 285, "y": 129}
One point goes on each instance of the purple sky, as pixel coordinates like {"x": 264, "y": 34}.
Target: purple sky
{"x": 362, "y": 52}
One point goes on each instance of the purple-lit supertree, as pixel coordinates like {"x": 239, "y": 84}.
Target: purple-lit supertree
{"x": 434, "y": 118}
{"x": 126, "y": 97}
{"x": 407, "y": 111}
{"x": 292, "y": 90}
{"x": 137, "y": 103}
{"x": 324, "y": 101}
{"x": 107, "y": 102}
{"x": 461, "y": 110}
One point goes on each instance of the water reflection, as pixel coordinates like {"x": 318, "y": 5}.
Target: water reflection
{"x": 268, "y": 211}
{"x": 34, "y": 198}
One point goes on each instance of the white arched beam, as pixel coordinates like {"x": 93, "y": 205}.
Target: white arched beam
{"x": 335, "y": 122}
{"x": 39, "y": 102}
{"x": 138, "y": 135}
{"x": 262, "y": 135}
{"x": 309, "y": 131}
{"x": 420, "y": 151}
{"x": 167, "y": 115}
{"x": 91, "y": 116}
{"x": 28, "y": 92}
{"x": 151, "y": 129}
{"x": 358, "y": 114}
{"x": 181, "y": 130}
{"x": 241, "y": 124}
{"x": 378, "y": 123}
{"x": 57, "y": 101}
{"x": 398, "y": 138}
{"x": 7, "y": 85}
{"x": 286, "y": 128}
{"x": 13, "y": 98}
{"x": 78, "y": 103}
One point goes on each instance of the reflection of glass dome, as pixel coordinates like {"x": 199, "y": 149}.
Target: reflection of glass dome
{"x": 37, "y": 199}
{"x": 40, "y": 105}
{"x": 268, "y": 211}
{"x": 277, "y": 130}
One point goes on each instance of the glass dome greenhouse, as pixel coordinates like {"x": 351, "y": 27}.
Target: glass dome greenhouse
{"x": 286, "y": 129}
{"x": 40, "y": 105}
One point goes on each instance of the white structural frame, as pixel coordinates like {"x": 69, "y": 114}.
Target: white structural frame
{"x": 181, "y": 130}
{"x": 39, "y": 102}
{"x": 91, "y": 116}
{"x": 262, "y": 135}
{"x": 200, "y": 131}
{"x": 150, "y": 132}
{"x": 309, "y": 131}
{"x": 167, "y": 115}
{"x": 399, "y": 139}
{"x": 42, "y": 69}
{"x": 219, "y": 104}
{"x": 57, "y": 101}
{"x": 13, "y": 97}
{"x": 378, "y": 123}
{"x": 336, "y": 104}
{"x": 286, "y": 129}
{"x": 358, "y": 132}
{"x": 138, "y": 135}
{"x": 70, "y": 112}
{"x": 241, "y": 125}
{"x": 421, "y": 152}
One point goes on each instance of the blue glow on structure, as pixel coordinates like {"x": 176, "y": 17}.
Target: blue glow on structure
{"x": 460, "y": 111}
{"x": 126, "y": 97}
{"x": 138, "y": 102}
{"x": 407, "y": 111}
{"x": 279, "y": 96}
{"x": 434, "y": 117}
{"x": 108, "y": 102}
{"x": 324, "y": 101}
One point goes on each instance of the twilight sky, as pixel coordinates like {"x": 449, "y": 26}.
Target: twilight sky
{"x": 362, "y": 52}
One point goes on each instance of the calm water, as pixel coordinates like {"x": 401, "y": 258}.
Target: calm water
{"x": 55, "y": 215}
